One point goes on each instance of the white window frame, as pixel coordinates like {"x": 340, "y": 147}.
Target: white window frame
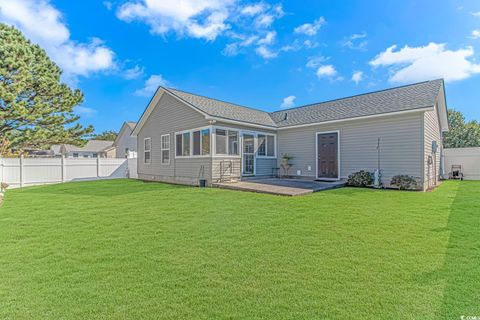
{"x": 266, "y": 156}
{"x": 338, "y": 156}
{"x": 191, "y": 131}
{"x": 165, "y": 149}
{"x": 145, "y": 151}
{"x": 239, "y": 141}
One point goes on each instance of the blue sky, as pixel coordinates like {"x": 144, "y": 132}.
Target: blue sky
{"x": 262, "y": 54}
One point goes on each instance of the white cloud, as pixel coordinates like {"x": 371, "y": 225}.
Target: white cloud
{"x": 266, "y": 53}
{"x": 411, "y": 64}
{"x": 476, "y": 14}
{"x": 264, "y": 21}
{"x": 475, "y": 34}
{"x": 151, "y": 85}
{"x": 297, "y": 45}
{"x": 43, "y": 24}
{"x": 315, "y": 62}
{"x": 85, "y": 111}
{"x": 133, "y": 73}
{"x": 233, "y": 49}
{"x": 357, "y": 76}
{"x": 311, "y": 29}
{"x": 356, "y": 42}
{"x": 254, "y": 9}
{"x": 268, "y": 39}
{"x": 326, "y": 71}
{"x": 196, "y": 18}
{"x": 288, "y": 102}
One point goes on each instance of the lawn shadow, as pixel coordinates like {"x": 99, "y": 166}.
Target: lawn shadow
{"x": 103, "y": 188}
{"x": 461, "y": 269}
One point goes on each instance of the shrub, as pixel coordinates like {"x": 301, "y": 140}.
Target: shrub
{"x": 405, "y": 182}
{"x": 361, "y": 178}
{"x": 3, "y": 186}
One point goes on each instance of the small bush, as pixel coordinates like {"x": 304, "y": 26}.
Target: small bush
{"x": 361, "y": 178}
{"x": 3, "y": 186}
{"x": 405, "y": 182}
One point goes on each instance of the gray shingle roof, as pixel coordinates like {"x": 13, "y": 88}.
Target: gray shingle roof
{"x": 90, "y": 146}
{"x": 398, "y": 99}
{"x": 131, "y": 124}
{"x": 226, "y": 110}
{"x": 410, "y": 97}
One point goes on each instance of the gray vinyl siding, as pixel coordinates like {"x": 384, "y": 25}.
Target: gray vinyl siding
{"x": 232, "y": 167}
{"x": 126, "y": 141}
{"x": 432, "y": 133}
{"x": 265, "y": 166}
{"x": 401, "y": 146}
{"x": 169, "y": 116}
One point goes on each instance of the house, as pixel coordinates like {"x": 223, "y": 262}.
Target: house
{"x": 92, "y": 149}
{"x": 184, "y": 137}
{"x": 126, "y": 144}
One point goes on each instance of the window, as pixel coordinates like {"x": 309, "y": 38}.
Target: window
{"x": 262, "y": 145}
{"x": 201, "y": 142}
{"x": 95, "y": 155}
{"x": 232, "y": 142}
{"x": 75, "y": 155}
{"x": 147, "y": 150}
{"x": 205, "y": 142}
{"x": 182, "y": 148}
{"x": 221, "y": 141}
{"x": 266, "y": 145}
{"x": 226, "y": 142}
{"x": 196, "y": 143}
{"x": 165, "y": 146}
{"x": 178, "y": 145}
{"x": 186, "y": 144}
{"x": 270, "y": 146}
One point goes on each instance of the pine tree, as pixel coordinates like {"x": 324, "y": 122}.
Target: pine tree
{"x": 36, "y": 108}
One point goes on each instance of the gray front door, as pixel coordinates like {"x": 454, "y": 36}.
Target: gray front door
{"x": 248, "y": 154}
{"x": 327, "y": 155}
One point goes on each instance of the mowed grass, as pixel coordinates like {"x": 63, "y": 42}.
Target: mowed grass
{"x": 133, "y": 250}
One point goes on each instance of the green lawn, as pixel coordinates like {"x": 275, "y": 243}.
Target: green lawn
{"x": 132, "y": 250}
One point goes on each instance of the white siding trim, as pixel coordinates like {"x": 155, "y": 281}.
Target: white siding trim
{"x": 162, "y": 149}
{"x": 145, "y": 151}
{"x": 191, "y": 142}
{"x": 339, "y": 174}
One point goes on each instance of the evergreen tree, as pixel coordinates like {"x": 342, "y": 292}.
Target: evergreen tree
{"x": 36, "y": 108}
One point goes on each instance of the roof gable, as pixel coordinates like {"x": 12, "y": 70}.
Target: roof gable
{"x": 127, "y": 126}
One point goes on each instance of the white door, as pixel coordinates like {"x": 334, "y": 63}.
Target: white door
{"x": 248, "y": 159}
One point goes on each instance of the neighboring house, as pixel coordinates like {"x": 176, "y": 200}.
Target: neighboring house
{"x": 183, "y": 137}
{"x": 92, "y": 149}
{"x": 125, "y": 144}
{"x": 56, "y": 150}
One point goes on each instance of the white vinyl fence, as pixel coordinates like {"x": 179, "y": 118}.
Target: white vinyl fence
{"x": 468, "y": 158}
{"x": 22, "y": 172}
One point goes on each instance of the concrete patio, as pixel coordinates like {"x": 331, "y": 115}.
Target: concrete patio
{"x": 277, "y": 186}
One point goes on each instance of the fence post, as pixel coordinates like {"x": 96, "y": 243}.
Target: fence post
{"x": 1, "y": 170}
{"x": 98, "y": 167}
{"x": 22, "y": 172}
{"x": 64, "y": 169}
